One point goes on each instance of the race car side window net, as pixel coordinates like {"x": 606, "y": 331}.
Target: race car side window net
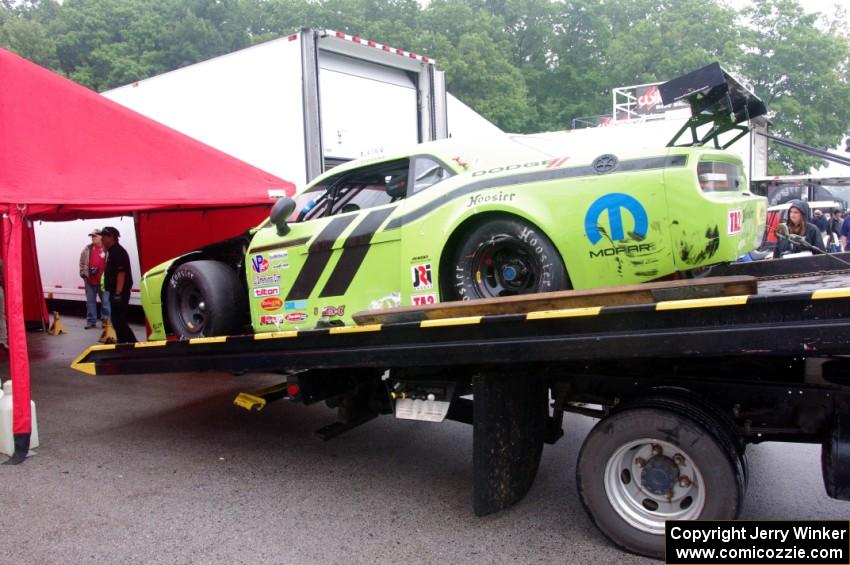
{"x": 716, "y": 98}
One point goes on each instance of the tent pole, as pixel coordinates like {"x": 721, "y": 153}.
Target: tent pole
{"x": 13, "y": 222}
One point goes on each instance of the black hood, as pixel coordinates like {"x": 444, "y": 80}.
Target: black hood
{"x": 802, "y": 206}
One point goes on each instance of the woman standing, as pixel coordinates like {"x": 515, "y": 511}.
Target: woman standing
{"x": 798, "y": 224}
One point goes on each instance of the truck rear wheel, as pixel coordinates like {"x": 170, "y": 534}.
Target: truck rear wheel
{"x": 203, "y": 299}
{"x": 642, "y": 466}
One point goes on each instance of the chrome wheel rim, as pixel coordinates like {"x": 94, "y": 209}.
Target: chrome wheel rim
{"x": 649, "y": 481}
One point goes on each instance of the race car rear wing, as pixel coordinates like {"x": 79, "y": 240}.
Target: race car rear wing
{"x": 716, "y": 98}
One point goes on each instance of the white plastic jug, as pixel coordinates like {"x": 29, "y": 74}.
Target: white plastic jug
{"x": 7, "y": 438}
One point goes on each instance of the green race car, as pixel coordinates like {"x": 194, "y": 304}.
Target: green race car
{"x": 446, "y": 221}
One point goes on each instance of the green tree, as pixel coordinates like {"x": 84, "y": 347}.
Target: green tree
{"x": 106, "y": 43}
{"x": 801, "y": 71}
{"x": 22, "y": 31}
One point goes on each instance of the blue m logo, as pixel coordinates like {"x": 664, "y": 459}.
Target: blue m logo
{"x": 614, "y": 204}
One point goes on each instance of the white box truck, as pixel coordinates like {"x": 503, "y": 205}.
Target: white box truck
{"x": 298, "y": 105}
{"x": 294, "y": 107}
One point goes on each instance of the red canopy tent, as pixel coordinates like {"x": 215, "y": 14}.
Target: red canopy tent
{"x": 67, "y": 152}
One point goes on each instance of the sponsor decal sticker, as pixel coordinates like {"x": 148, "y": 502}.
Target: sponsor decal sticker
{"x": 421, "y": 259}
{"x": 735, "y": 222}
{"x": 424, "y": 299}
{"x": 265, "y": 280}
{"x": 478, "y": 199}
{"x": 612, "y": 206}
{"x": 271, "y": 320}
{"x": 422, "y": 276}
{"x": 295, "y": 305}
{"x": 295, "y": 317}
{"x": 556, "y": 162}
{"x": 260, "y": 264}
{"x": 280, "y": 266}
{"x": 263, "y": 291}
{"x": 330, "y": 311}
{"x": 271, "y": 304}
{"x": 275, "y": 255}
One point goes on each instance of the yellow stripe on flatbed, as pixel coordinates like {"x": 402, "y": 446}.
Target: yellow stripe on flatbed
{"x": 702, "y": 302}
{"x": 355, "y": 329}
{"x": 211, "y": 339}
{"x": 831, "y": 293}
{"x": 564, "y": 313}
{"x": 159, "y": 343}
{"x": 465, "y": 321}
{"x": 276, "y": 335}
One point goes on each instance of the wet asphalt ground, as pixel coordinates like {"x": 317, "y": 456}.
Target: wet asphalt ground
{"x": 164, "y": 469}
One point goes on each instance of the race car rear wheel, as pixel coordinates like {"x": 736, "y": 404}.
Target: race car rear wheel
{"x": 204, "y": 298}
{"x": 504, "y": 257}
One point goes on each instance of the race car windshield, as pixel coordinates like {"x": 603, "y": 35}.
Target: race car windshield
{"x": 351, "y": 191}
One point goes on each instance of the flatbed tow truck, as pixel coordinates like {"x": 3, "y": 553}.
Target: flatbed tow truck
{"x": 683, "y": 375}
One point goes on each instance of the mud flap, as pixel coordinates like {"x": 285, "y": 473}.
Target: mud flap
{"x": 509, "y": 417}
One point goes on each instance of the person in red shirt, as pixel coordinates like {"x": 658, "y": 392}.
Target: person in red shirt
{"x": 92, "y": 265}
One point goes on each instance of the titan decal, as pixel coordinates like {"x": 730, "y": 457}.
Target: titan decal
{"x": 264, "y": 291}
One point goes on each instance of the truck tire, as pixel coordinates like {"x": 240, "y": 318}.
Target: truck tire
{"x": 708, "y": 415}
{"x": 504, "y": 256}
{"x": 203, "y": 299}
{"x": 642, "y": 466}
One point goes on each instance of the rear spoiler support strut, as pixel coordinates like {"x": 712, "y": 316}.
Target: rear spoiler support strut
{"x": 715, "y": 97}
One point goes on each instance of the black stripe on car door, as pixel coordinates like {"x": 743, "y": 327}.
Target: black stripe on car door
{"x": 355, "y": 248}
{"x": 318, "y": 256}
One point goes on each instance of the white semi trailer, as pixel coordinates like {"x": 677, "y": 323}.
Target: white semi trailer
{"x": 294, "y": 107}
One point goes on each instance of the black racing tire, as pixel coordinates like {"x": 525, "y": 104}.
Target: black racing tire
{"x": 504, "y": 256}
{"x": 623, "y": 483}
{"x": 204, "y": 299}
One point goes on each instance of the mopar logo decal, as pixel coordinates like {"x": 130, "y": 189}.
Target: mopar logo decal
{"x": 614, "y": 204}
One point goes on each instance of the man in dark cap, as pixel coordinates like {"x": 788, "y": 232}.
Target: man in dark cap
{"x": 118, "y": 279}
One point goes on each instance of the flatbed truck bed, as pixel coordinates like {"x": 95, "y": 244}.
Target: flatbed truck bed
{"x": 720, "y": 372}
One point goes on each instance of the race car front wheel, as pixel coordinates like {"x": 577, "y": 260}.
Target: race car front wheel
{"x": 505, "y": 257}
{"x": 204, "y": 298}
